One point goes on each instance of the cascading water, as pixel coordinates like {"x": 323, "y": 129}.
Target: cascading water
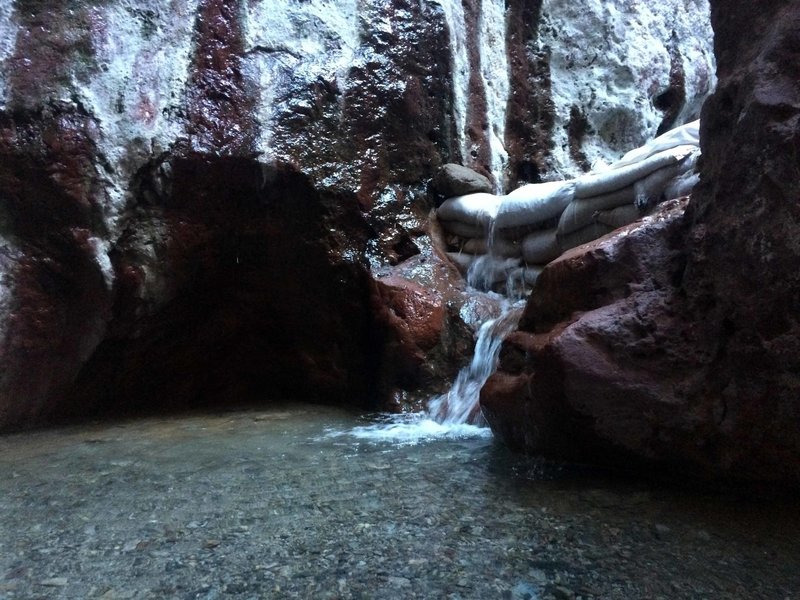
{"x": 457, "y": 413}
{"x": 461, "y": 403}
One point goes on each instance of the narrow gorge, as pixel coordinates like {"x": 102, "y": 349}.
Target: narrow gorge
{"x": 399, "y": 299}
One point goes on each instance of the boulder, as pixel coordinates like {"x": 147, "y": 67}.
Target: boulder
{"x": 457, "y": 180}
{"x": 672, "y": 344}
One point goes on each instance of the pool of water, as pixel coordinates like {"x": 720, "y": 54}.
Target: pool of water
{"x": 312, "y": 502}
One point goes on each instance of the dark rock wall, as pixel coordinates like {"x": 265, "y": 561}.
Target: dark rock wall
{"x": 676, "y": 342}
{"x": 178, "y": 231}
{"x": 745, "y": 246}
{"x": 198, "y": 198}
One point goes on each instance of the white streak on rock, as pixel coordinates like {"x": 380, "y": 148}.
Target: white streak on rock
{"x": 101, "y": 249}
{"x": 454, "y": 15}
{"x": 9, "y": 257}
{"x": 8, "y": 36}
{"x": 288, "y": 38}
{"x": 610, "y": 59}
{"x": 494, "y": 71}
{"x": 143, "y": 51}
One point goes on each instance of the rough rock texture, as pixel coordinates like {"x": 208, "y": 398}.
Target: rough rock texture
{"x": 620, "y": 72}
{"x": 675, "y": 341}
{"x": 198, "y": 196}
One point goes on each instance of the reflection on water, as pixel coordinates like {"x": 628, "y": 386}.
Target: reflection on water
{"x": 305, "y": 502}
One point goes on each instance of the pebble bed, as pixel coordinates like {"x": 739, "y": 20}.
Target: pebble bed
{"x": 270, "y": 504}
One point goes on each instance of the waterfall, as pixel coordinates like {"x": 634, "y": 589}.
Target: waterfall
{"x": 461, "y": 403}
{"x": 455, "y": 414}
{"x": 495, "y": 76}
{"x": 458, "y": 411}
{"x": 454, "y": 15}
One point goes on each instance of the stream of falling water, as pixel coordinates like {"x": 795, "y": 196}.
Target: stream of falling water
{"x": 457, "y": 413}
{"x": 461, "y": 403}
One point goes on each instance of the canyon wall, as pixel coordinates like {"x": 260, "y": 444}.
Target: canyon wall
{"x": 206, "y": 201}
{"x": 675, "y": 341}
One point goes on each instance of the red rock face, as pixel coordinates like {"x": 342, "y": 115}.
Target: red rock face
{"x": 60, "y": 304}
{"x": 530, "y": 111}
{"x": 219, "y": 107}
{"x": 388, "y": 121}
{"x": 477, "y": 123}
{"x": 418, "y": 311}
{"x": 675, "y": 342}
{"x": 188, "y": 215}
{"x": 53, "y": 37}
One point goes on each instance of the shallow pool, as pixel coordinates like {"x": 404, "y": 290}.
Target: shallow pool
{"x": 294, "y": 502}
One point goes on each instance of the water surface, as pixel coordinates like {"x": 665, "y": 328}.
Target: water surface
{"x": 294, "y": 503}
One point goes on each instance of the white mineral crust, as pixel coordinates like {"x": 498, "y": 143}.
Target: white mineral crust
{"x": 611, "y": 59}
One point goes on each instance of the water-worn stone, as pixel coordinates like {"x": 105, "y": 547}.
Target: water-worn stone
{"x": 457, "y": 180}
{"x": 649, "y": 347}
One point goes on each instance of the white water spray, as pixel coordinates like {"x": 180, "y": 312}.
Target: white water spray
{"x": 461, "y": 403}
{"x": 455, "y": 414}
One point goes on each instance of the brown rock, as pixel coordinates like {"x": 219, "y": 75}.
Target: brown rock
{"x": 455, "y": 180}
{"x": 426, "y": 324}
{"x": 674, "y": 341}
{"x": 415, "y": 311}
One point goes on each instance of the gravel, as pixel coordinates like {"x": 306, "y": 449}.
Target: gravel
{"x": 265, "y": 504}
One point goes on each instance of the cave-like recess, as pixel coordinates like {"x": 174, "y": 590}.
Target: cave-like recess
{"x": 264, "y": 302}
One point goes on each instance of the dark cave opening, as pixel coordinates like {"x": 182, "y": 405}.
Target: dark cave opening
{"x": 259, "y": 295}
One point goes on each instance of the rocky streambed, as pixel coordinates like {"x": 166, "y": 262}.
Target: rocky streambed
{"x": 297, "y": 502}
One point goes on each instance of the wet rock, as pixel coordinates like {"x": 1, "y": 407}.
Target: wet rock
{"x": 419, "y": 311}
{"x": 456, "y": 180}
{"x": 646, "y": 347}
{"x": 427, "y": 322}
{"x": 196, "y": 195}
